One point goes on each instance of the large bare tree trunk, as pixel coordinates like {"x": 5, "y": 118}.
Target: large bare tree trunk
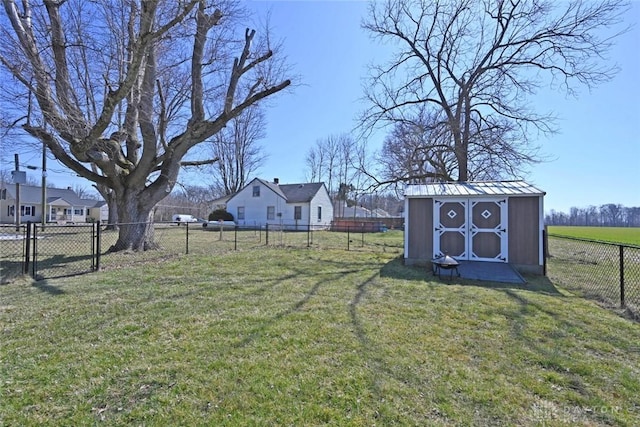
{"x": 136, "y": 231}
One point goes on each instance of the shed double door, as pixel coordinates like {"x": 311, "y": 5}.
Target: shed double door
{"x": 471, "y": 229}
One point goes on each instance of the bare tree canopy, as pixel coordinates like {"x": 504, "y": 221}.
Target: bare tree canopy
{"x": 120, "y": 91}
{"x": 333, "y": 160}
{"x": 416, "y": 151}
{"x": 237, "y": 150}
{"x": 474, "y": 63}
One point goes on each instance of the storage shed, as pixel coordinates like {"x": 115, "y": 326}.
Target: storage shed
{"x": 493, "y": 221}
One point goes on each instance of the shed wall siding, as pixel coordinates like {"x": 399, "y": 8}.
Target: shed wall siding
{"x": 420, "y": 233}
{"x": 524, "y": 230}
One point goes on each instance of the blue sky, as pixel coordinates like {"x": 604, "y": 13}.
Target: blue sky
{"x": 595, "y": 157}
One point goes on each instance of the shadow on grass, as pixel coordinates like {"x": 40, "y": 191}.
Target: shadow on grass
{"x": 58, "y": 266}
{"x": 396, "y": 269}
{"x": 528, "y": 313}
{"x": 44, "y": 286}
{"x": 9, "y": 271}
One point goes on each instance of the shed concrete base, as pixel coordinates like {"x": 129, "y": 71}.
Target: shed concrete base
{"x": 490, "y": 271}
{"x": 487, "y": 271}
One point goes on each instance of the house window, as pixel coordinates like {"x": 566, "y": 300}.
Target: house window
{"x": 271, "y": 212}
{"x": 297, "y": 212}
{"x": 3, "y": 194}
{"x": 319, "y": 213}
{"x": 240, "y": 214}
{"x": 27, "y": 210}
{"x": 78, "y": 211}
{"x": 256, "y": 191}
{"x": 10, "y": 210}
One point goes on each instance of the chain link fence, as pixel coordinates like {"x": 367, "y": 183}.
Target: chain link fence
{"x": 12, "y": 251}
{"x": 62, "y": 250}
{"x": 604, "y": 271}
{"x": 608, "y": 272}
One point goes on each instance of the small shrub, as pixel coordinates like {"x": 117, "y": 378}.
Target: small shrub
{"x": 220, "y": 214}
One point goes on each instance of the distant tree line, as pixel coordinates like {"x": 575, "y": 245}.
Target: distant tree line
{"x": 609, "y": 215}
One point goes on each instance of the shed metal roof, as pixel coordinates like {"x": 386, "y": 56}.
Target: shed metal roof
{"x": 473, "y": 189}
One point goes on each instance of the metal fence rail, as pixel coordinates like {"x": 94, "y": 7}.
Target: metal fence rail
{"x": 609, "y": 272}
{"x": 606, "y": 271}
{"x": 63, "y": 250}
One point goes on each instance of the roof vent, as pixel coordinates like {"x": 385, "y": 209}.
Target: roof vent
{"x": 276, "y": 180}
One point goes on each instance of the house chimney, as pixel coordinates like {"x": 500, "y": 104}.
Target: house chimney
{"x": 276, "y": 181}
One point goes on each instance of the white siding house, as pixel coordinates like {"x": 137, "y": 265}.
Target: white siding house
{"x": 62, "y": 205}
{"x": 288, "y": 205}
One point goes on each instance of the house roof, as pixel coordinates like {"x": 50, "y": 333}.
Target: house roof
{"x": 473, "y": 189}
{"x": 33, "y": 194}
{"x": 300, "y": 193}
{"x": 291, "y": 193}
{"x": 94, "y": 203}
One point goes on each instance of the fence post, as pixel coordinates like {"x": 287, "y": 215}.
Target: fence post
{"x": 28, "y": 248}
{"x": 309, "y": 235}
{"x": 98, "y": 244}
{"x": 34, "y": 250}
{"x": 93, "y": 246}
{"x": 545, "y": 251}
{"x": 235, "y": 238}
{"x": 348, "y": 236}
{"x": 187, "y": 237}
{"x": 266, "y": 235}
{"x": 621, "y": 248}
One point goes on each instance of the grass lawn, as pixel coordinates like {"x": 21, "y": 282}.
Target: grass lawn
{"x": 277, "y": 336}
{"x": 624, "y": 235}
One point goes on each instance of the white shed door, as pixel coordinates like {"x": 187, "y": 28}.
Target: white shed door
{"x": 470, "y": 229}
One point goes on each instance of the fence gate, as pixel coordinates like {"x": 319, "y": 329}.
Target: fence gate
{"x": 471, "y": 229}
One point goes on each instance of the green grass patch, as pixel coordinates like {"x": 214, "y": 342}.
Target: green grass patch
{"x": 282, "y": 336}
{"x": 623, "y": 235}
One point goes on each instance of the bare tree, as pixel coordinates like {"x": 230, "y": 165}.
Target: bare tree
{"x": 474, "y": 62}
{"x": 120, "y": 91}
{"x": 416, "y": 151}
{"x": 334, "y": 161}
{"x": 237, "y": 150}
{"x": 315, "y": 163}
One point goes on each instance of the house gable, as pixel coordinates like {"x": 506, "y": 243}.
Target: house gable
{"x": 263, "y": 202}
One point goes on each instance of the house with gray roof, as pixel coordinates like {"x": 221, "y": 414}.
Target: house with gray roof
{"x": 62, "y": 205}
{"x": 263, "y": 202}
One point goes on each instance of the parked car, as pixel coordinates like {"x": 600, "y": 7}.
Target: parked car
{"x": 217, "y": 225}
{"x": 184, "y": 218}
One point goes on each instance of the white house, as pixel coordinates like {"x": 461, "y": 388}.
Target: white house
{"x": 288, "y": 205}
{"x": 62, "y": 205}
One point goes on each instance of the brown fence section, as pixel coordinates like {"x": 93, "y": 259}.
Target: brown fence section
{"x": 605, "y": 271}
{"x": 370, "y": 224}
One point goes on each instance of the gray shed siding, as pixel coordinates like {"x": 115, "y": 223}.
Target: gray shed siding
{"x": 525, "y": 234}
{"x": 419, "y": 231}
{"x": 523, "y": 221}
